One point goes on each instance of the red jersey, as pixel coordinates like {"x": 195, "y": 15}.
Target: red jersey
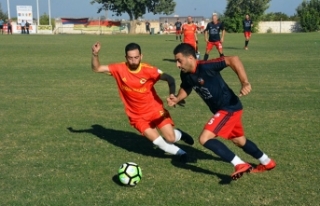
{"x": 188, "y": 31}
{"x": 136, "y": 88}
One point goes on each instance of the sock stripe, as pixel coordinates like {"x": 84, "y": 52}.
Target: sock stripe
{"x": 222, "y": 123}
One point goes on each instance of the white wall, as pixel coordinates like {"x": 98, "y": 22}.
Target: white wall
{"x": 264, "y": 26}
{"x": 278, "y": 26}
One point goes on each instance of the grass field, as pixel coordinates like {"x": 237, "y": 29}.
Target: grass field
{"x": 47, "y": 86}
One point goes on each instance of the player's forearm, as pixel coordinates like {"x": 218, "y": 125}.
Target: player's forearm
{"x": 223, "y": 33}
{"x": 237, "y": 66}
{"x": 182, "y": 94}
{"x": 205, "y": 36}
{"x": 171, "y": 82}
{"x": 95, "y": 63}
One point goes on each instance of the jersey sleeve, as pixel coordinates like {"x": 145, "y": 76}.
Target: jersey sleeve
{"x": 153, "y": 72}
{"x": 195, "y": 28}
{"x": 112, "y": 69}
{"x": 207, "y": 27}
{"x": 215, "y": 65}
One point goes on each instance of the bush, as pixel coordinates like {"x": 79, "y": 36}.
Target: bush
{"x": 309, "y": 13}
{"x": 269, "y": 31}
{"x": 44, "y": 20}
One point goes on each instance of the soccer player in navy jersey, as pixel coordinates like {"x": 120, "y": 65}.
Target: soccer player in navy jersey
{"x": 212, "y": 36}
{"x": 247, "y": 28}
{"x": 204, "y": 77}
{"x": 178, "y": 26}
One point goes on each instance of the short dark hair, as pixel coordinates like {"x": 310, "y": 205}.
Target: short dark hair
{"x": 185, "y": 49}
{"x": 132, "y": 46}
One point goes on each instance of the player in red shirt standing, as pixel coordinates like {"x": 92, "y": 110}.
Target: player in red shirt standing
{"x": 144, "y": 108}
{"x": 189, "y": 31}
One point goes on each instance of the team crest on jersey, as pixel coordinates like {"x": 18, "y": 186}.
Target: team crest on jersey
{"x": 124, "y": 79}
{"x": 200, "y": 81}
{"x": 142, "y": 80}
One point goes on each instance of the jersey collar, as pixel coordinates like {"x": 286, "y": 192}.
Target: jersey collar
{"x": 195, "y": 68}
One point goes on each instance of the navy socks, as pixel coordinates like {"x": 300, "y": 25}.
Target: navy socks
{"x": 220, "y": 149}
{"x": 252, "y": 149}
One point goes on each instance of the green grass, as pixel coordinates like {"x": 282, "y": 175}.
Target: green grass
{"x": 47, "y": 86}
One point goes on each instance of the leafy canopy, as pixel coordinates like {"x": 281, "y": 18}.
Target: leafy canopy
{"x": 309, "y": 14}
{"x": 136, "y": 8}
{"x": 237, "y": 9}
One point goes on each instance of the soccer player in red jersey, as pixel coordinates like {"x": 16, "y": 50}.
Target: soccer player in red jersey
{"x": 144, "y": 108}
{"x": 189, "y": 31}
{"x": 204, "y": 77}
{"x": 247, "y": 27}
{"x": 212, "y": 36}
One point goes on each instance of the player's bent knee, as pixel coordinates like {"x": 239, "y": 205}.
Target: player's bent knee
{"x": 170, "y": 139}
{"x": 205, "y": 136}
{"x": 239, "y": 141}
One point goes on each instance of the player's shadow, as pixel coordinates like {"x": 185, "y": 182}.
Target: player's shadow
{"x": 127, "y": 140}
{"x": 224, "y": 179}
{"x": 232, "y": 48}
{"x": 169, "y": 60}
{"x": 133, "y": 142}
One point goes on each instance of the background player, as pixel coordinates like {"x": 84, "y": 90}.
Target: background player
{"x": 1, "y": 25}
{"x": 247, "y": 28}
{"x": 143, "y": 106}
{"x": 178, "y": 26}
{"x": 189, "y": 31}
{"x": 212, "y": 36}
{"x": 205, "y": 78}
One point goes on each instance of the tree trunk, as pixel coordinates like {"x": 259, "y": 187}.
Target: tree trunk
{"x": 133, "y": 26}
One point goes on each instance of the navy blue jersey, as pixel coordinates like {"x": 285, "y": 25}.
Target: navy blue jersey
{"x": 247, "y": 25}
{"x": 214, "y": 31}
{"x": 178, "y": 25}
{"x": 210, "y": 86}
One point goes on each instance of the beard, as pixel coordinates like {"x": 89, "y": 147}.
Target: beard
{"x": 133, "y": 66}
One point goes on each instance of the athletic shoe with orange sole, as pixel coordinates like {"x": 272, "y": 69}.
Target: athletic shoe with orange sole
{"x": 262, "y": 168}
{"x": 240, "y": 169}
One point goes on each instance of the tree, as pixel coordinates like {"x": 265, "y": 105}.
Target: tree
{"x": 237, "y": 9}
{"x": 3, "y": 15}
{"x": 275, "y": 16}
{"x": 44, "y": 20}
{"x": 309, "y": 14}
{"x": 136, "y": 8}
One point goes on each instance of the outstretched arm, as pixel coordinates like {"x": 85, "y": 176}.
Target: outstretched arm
{"x": 237, "y": 66}
{"x": 172, "y": 100}
{"x": 172, "y": 86}
{"x": 95, "y": 63}
{"x": 171, "y": 83}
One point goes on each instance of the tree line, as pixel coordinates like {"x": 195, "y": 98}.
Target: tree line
{"x": 308, "y": 12}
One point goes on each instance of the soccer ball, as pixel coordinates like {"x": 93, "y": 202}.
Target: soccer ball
{"x": 129, "y": 174}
